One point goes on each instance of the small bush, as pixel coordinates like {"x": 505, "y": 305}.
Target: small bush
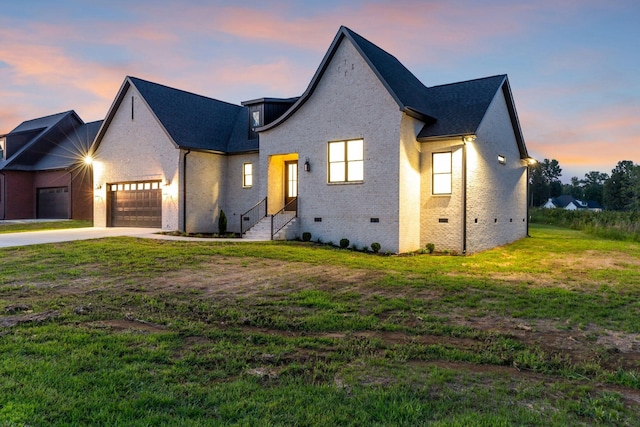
{"x": 222, "y": 223}
{"x": 375, "y": 247}
{"x": 344, "y": 243}
{"x": 365, "y": 248}
{"x": 319, "y": 241}
{"x": 354, "y": 247}
{"x": 306, "y": 236}
{"x": 430, "y": 247}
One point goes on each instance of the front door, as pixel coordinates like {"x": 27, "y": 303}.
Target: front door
{"x": 291, "y": 185}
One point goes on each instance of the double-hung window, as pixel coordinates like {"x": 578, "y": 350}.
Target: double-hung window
{"x": 442, "y": 173}
{"x": 247, "y": 175}
{"x": 346, "y": 161}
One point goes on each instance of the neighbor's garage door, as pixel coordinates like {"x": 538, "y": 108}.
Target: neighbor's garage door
{"x": 53, "y": 202}
{"x": 136, "y": 204}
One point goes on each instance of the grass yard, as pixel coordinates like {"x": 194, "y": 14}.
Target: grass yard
{"x": 20, "y": 226}
{"x": 126, "y": 331}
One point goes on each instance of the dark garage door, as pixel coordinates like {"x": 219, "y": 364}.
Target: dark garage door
{"x": 136, "y": 204}
{"x": 53, "y": 202}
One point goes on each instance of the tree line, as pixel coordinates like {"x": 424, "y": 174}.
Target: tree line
{"x": 618, "y": 191}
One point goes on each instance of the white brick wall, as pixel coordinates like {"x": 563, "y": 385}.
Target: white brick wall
{"x": 496, "y": 193}
{"x": 238, "y": 199}
{"x": 136, "y": 150}
{"x": 349, "y": 102}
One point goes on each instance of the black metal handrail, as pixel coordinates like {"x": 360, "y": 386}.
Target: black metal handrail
{"x": 253, "y": 216}
{"x": 279, "y": 220}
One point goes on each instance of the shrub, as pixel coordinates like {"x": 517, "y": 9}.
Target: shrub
{"x": 365, "y": 248}
{"x": 354, "y": 247}
{"x": 222, "y": 223}
{"x": 430, "y": 247}
{"x": 344, "y": 243}
{"x": 375, "y": 247}
{"x": 306, "y": 236}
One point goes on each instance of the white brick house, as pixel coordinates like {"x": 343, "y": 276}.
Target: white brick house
{"x": 367, "y": 153}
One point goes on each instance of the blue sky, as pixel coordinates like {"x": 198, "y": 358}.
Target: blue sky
{"x": 574, "y": 65}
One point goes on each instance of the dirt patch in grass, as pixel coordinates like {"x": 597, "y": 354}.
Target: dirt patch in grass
{"x": 233, "y": 277}
{"x": 10, "y": 321}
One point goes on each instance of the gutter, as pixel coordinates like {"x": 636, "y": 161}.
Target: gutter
{"x": 184, "y": 191}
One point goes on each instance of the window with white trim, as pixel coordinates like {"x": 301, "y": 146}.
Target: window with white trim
{"x": 247, "y": 175}
{"x": 346, "y": 161}
{"x": 2, "y": 148}
{"x": 442, "y": 173}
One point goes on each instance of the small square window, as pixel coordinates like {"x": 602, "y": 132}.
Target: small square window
{"x": 346, "y": 161}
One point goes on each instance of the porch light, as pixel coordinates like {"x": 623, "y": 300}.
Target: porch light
{"x": 469, "y": 138}
{"x": 167, "y": 182}
{"x": 98, "y": 186}
{"x": 88, "y": 160}
{"x": 307, "y": 165}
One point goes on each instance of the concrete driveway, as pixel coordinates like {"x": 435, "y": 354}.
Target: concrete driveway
{"x": 54, "y": 236}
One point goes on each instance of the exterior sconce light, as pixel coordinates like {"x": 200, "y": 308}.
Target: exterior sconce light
{"x": 167, "y": 182}
{"x": 307, "y": 165}
{"x": 98, "y": 186}
{"x": 469, "y": 138}
{"x": 88, "y": 160}
{"x": 502, "y": 159}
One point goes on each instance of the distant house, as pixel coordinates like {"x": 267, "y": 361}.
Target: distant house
{"x": 42, "y": 171}
{"x": 366, "y": 153}
{"x": 570, "y": 203}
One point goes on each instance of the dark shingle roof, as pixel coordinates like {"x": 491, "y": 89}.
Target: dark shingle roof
{"x": 449, "y": 110}
{"x": 52, "y": 142}
{"x": 407, "y": 90}
{"x": 460, "y": 107}
{"x": 195, "y": 121}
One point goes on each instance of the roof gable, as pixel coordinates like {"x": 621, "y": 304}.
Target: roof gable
{"x": 408, "y": 92}
{"x": 191, "y": 121}
{"x": 461, "y": 107}
{"x": 52, "y": 142}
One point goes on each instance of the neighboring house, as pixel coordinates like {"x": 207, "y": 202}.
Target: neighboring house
{"x": 367, "y": 153}
{"x": 42, "y": 169}
{"x": 570, "y": 203}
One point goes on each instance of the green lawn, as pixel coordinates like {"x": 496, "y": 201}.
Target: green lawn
{"x": 44, "y": 225}
{"x": 125, "y": 331}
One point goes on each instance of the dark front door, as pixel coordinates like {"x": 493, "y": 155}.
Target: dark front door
{"x": 291, "y": 185}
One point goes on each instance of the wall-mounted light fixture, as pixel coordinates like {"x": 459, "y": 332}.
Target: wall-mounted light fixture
{"x": 502, "y": 159}
{"x": 469, "y": 138}
{"x": 88, "y": 160}
{"x": 98, "y": 187}
{"x": 307, "y": 165}
{"x": 167, "y": 182}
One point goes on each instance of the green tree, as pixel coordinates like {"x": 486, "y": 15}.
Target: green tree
{"x": 593, "y": 186}
{"x": 619, "y": 188}
{"x": 574, "y": 189}
{"x": 544, "y": 178}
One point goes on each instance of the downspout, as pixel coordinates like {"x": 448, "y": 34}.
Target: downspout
{"x": 71, "y": 194}
{"x": 4, "y": 195}
{"x": 464, "y": 197}
{"x": 527, "y": 201}
{"x": 184, "y": 191}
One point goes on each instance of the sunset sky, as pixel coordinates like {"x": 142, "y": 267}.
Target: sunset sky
{"x": 573, "y": 65}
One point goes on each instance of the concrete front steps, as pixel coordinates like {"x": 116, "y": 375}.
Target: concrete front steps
{"x": 262, "y": 230}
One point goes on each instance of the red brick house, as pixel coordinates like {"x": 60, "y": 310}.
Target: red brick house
{"x": 42, "y": 169}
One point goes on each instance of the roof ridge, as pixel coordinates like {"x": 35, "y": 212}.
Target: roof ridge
{"x": 133, "y": 79}
{"x": 468, "y": 81}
